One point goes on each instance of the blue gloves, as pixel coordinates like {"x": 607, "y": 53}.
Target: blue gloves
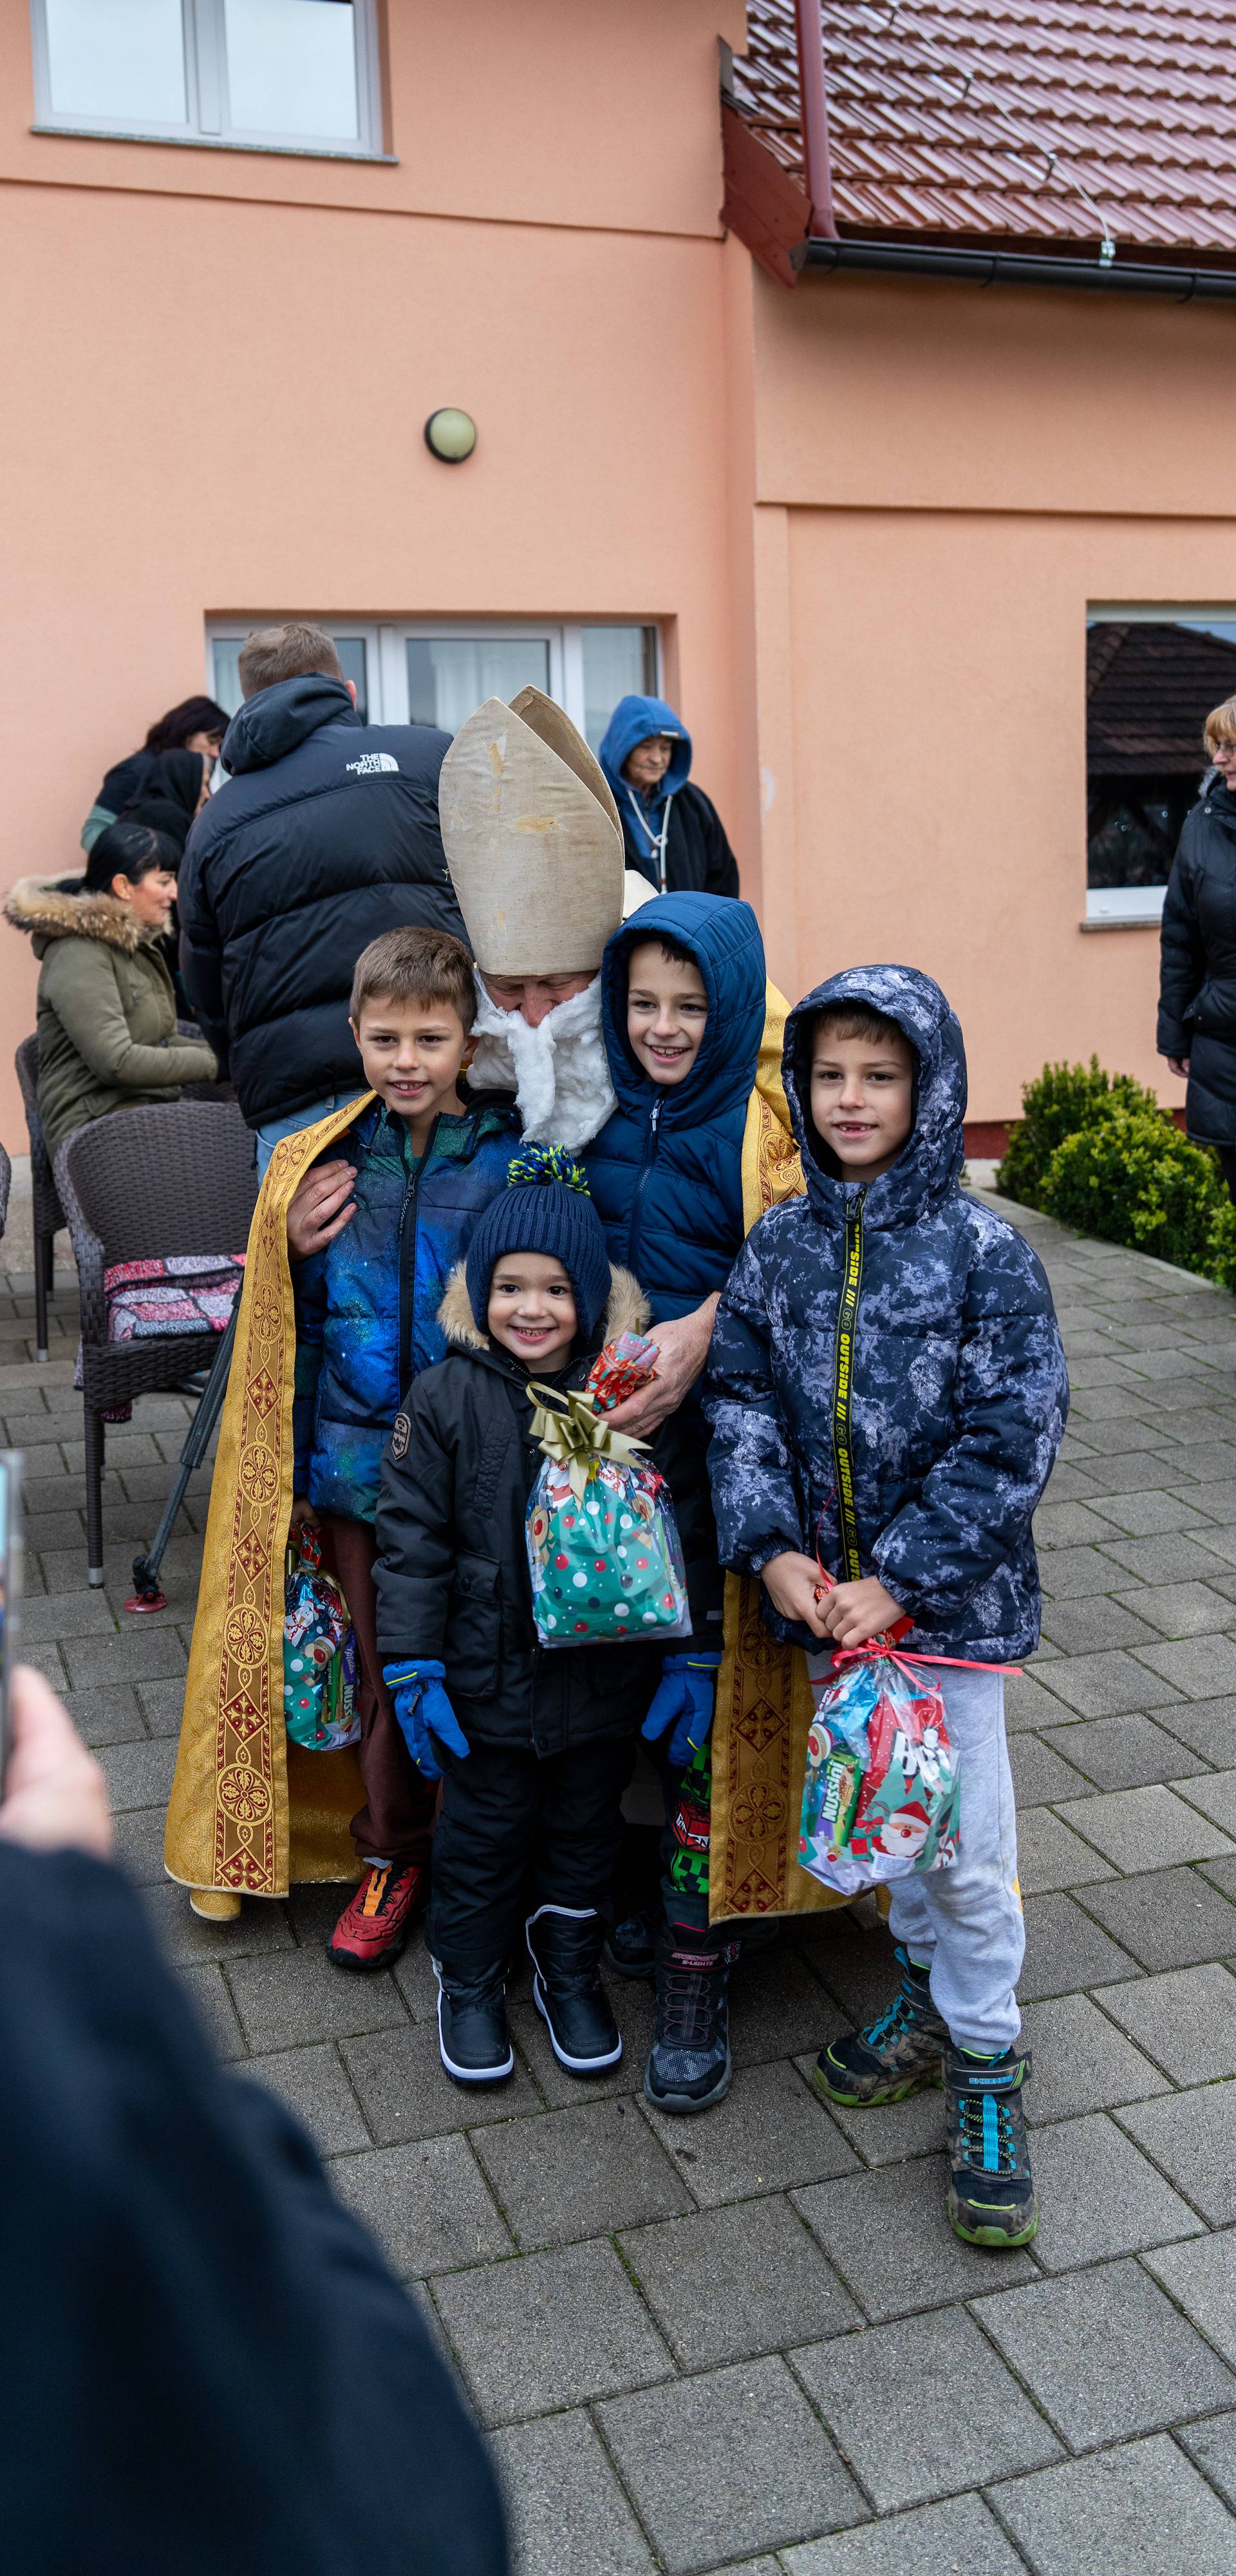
{"x": 685, "y": 1700}
{"x": 423, "y": 1711}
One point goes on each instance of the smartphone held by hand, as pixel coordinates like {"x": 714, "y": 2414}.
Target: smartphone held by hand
{"x": 11, "y": 1465}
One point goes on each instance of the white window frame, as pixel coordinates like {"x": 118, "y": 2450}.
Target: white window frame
{"x": 386, "y": 662}
{"x": 206, "y": 94}
{"x": 1109, "y": 907}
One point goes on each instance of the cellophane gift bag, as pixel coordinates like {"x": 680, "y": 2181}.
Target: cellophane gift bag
{"x": 319, "y": 1651}
{"x": 881, "y": 1794}
{"x": 604, "y": 1552}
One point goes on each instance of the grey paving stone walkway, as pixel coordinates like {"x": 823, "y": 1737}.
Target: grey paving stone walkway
{"x": 750, "y": 2340}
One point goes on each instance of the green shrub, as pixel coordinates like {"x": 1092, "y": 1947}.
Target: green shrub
{"x": 1065, "y": 1098}
{"x": 1133, "y": 1178}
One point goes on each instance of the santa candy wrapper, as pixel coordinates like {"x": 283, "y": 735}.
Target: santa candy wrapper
{"x": 603, "y": 1546}
{"x": 881, "y": 1793}
{"x": 621, "y": 1369}
{"x": 319, "y": 1651}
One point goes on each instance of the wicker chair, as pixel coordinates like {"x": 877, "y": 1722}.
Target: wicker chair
{"x": 139, "y": 1186}
{"x": 49, "y": 1216}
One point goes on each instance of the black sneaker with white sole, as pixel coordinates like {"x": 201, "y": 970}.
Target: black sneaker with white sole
{"x": 564, "y": 1946}
{"x": 473, "y": 2039}
{"x": 689, "y": 2062}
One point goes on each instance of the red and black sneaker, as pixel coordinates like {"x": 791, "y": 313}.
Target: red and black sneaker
{"x": 375, "y": 1922}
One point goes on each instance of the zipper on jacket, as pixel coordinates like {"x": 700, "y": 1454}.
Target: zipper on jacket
{"x": 407, "y": 1270}
{"x": 843, "y": 1386}
{"x": 645, "y": 1175}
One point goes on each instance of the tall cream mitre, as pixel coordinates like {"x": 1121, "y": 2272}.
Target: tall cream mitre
{"x": 532, "y": 840}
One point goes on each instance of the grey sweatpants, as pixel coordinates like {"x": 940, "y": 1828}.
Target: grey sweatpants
{"x": 965, "y": 1923}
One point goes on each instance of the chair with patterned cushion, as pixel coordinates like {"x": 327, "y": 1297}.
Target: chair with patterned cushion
{"x": 148, "y": 1184}
{"x": 49, "y": 1216}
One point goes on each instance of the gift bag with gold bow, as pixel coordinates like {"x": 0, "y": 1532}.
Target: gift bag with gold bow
{"x": 603, "y": 1545}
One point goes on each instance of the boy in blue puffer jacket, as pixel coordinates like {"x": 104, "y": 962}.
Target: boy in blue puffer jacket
{"x": 423, "y": 1164}
{"x": 684, "y": 995}
{"x": 887, "y": 1392}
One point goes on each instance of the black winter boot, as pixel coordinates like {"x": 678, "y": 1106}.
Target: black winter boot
{"x": 631, "y": 1947}
{"x": 564, "y": 1946}
{"x": 689, "y": 2062}
{"x": 990, "y": 2193}
{"x": 473, "y": 2040}
{"x": 895, "y": 2055}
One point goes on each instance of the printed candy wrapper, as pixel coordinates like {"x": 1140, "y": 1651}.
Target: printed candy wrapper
{"x": 620, "y": 1370}
{"x": 606, "y": 1565}
{"x": 319, "y": 1652}
{"x": 881, "y": 1795}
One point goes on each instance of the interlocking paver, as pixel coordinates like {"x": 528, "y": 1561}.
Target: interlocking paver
{"x": 737, "y": 2281}
{"x": 406, "y": 2093}
{"x": 1106, "y": 2354}
{"x": 980, "y": 2427}
{"x": 1208, "y": 1727}
{"x": 1065, "y": 1951}
{"x": 549, "y": 2330}
{"x": 705, "y": 2476}
{"x": 769, "y": 2132}
{"x": 1098, "y": 2196}
{"x": 577, "y": 2172}
{"x": 1051, "y": 1857}
{"x": 569, "y": 2511}
{"x": 1198, "y": 1667}
{"x": 1127, "y": 2512}
{"x": 1185, "y": 2019}
{"x": 1079, "y": 2062}
{"x": 1212, "y": 2448}
{"x": 1080, "y": 1627}
{"x": 312, "y": 2083}
{"x": 1201, "y": 2277}
{"x": 1106, "y": 1685}
{"x": 428, "y": 2205}
{"x": 1170, "y": 1918}
{"x": 297, "y": 1995}
{"x": 1190, "y": 2136}
{"x": 138, "y": 1774}
{"x": 1145, "y": 1829}
{"x": 1041, "y": 1775}
{"x": 1123, "y": 1752}
{"x": 933, "y": 2540}
{"x": 867, "y": 2222}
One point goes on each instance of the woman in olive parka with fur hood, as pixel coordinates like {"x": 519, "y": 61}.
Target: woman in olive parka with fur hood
{"x": 108, "y": 1037}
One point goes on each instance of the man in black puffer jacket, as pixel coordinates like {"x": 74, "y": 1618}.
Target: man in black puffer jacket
{"x": 1197, "y": 975}
{"x": 325, "y": 835}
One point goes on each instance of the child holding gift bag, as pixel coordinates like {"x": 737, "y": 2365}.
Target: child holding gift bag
{"x": 887, "y": 1392}
{"x": 534, "y": 1740}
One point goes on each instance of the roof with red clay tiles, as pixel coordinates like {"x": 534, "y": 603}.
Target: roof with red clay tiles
{"x": 1043, "y": 120}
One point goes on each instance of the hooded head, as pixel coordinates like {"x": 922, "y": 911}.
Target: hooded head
{"x": 532, "y": 840}
{"x": 721, "y": 936}
{"x": 631, "y": 723}
{"x": 930, "y": 1161}
{"x": 545, "y": 1208}
{"x": 277, "y": 720}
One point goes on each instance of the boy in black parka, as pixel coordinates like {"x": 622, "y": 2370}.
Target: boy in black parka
{"x": 536, "y": 1744}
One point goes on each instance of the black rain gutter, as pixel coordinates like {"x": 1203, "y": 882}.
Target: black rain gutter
{"x": 1014, "y": 268}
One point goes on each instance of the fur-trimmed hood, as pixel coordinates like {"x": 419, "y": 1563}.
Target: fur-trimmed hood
{"x": 626, "y": 1312}
{"x": 49, "y": 908}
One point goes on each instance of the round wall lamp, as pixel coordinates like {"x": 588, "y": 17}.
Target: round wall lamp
{"x": 450, "y": 435}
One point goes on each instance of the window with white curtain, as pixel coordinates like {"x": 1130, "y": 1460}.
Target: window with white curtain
{"x": 277, "y": 75}
{"x": 437, "y": 673}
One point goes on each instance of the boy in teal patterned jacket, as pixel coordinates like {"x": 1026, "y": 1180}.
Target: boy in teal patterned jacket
{"x": 421, "y": 1164}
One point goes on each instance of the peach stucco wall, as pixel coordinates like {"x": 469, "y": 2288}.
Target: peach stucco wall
{"x": 218, "y": 365}
{"x": 944, "y": 479}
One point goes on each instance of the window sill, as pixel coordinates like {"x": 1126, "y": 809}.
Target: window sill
{"x": 222, "y": 143}
{"x": 1128, "y": 921}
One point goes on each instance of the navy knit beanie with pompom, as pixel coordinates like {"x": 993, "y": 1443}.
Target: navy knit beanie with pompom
{"x": 544, "y": 1208}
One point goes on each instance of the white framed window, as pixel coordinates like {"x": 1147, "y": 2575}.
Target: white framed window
{"x": 252, "y": 75}
{"x": 1153, "y": 673}
{"x": 436, "y": 671}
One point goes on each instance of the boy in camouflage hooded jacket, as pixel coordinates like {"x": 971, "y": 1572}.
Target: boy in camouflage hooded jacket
{"x": 887, "y": 1393}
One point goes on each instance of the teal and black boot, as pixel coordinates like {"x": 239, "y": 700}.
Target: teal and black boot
{"x": 990, "y": 2192}
{"x": 894, "y": 2056}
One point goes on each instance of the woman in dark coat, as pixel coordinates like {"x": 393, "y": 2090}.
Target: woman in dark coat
{"x": 1197, "y": 975}
{"x": 173, "y": 792}
{"x": 197, "y": 724}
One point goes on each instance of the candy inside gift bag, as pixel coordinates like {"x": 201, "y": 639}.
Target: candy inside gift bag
{"x": 319, "y": 1651}
{"x": 604, "y": 1552}
{"x": 881, "y": 1795}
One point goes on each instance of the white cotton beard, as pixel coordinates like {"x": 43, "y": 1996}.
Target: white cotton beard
{"x": 557, "y": 1072}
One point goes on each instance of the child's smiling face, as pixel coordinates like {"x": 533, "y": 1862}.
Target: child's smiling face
{"x": 531, "y": 1309}
{"x": 667, "y": 1011}
{"x": 862, "y": 1100}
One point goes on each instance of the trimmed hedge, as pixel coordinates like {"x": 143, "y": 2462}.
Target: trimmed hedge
{"x": 1097, "y": 1152}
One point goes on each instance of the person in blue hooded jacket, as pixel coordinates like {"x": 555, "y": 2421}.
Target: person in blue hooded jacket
{"x": 887, "y": 1392}
{"x": 683, "y": 999}
{"x": 674, "y": 835}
